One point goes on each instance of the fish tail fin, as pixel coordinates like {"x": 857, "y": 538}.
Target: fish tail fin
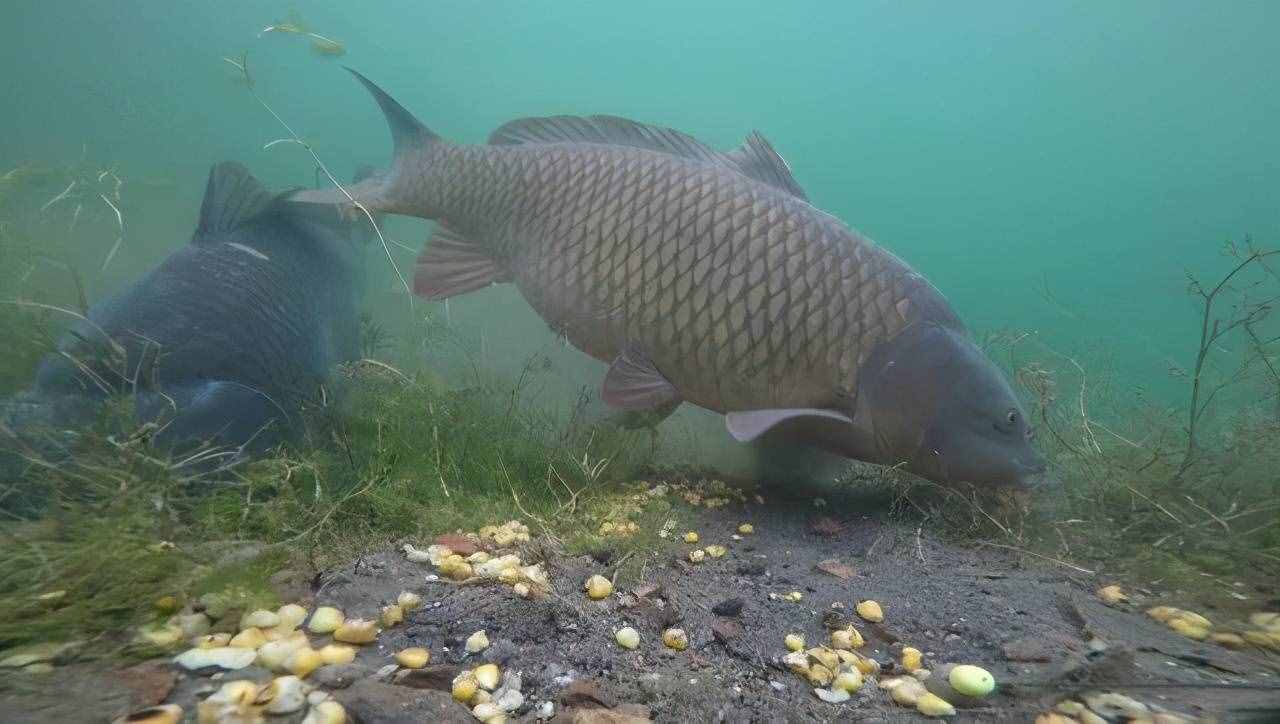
{"x": 377, "y": 191}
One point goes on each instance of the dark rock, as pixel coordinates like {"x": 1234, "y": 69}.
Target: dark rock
{"x": 728, "y": 607}
{"x": 459, "y": 544}
{"x": 501, "y": 651}
{"x": 625, "y": 714}
{"x": 339, "y": 676}
{"x": 833, "y": 567}
{"x": 372, "y": 702}
{"x": 256, "y": 674}
{"x": 586, "y": 694}
{"x": 725, "y": 630}
{"x": 752, "y": 568}
{"x": 439, "y": 677}
{"x": 1030, "y": 649}
{"x": 150, "y": 682}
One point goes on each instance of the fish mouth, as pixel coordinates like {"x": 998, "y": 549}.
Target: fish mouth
{"x": 1035, "y": 475}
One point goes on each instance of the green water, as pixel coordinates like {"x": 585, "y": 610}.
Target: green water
{"x": 1054, "y": 168}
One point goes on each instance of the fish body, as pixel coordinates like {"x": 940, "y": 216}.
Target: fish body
{"x": 700, "y": 276}
{"x": 227, "y": 339}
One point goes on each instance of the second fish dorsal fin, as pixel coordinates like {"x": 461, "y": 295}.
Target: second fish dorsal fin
{"x": 755, "y": 159}
{"x": 232, "y": 197}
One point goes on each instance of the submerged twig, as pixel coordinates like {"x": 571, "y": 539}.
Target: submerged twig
{"x": 243, "y": 66}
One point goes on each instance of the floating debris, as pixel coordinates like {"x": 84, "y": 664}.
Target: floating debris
{"x": 326, "y": 619}
{"x": 260, "y": 619}
{"x": 413, "y": 658}
{"x": 477, "y": 642}
{"x": 847, "y": 639}
{"x": 911, "y": 659}
{"x": 303, "y": 661}
{"x": 871, "y": 611}
{"x": 465, "y": 687}
{"x": 337, "y": 654}
{"x": 326, "y": 712}
{"x": 294, "y": 25}
{"x": 224, "y": 658}
{"x": 283, "y": 695}
{"x": 627, "y": 637}
{"x": 598, "y": 587}
{"x": 1112, "y": 595}
{"x": 163, "y": 714}
{"x": 971, "y": 680}
{"x": 487, "y": 676}
{"x": 291, "y": 615}
{"x": 933, "y": 705}
{"x": 392, "y": 615}
{"x": 356, "y": 631}
{"x": 675, "y": 638}
{"x": 250, "y": 638}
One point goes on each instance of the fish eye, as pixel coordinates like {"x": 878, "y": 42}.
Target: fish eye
{"x": 1012, "y": 417}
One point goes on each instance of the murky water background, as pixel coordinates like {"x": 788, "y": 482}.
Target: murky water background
{"x": 1054, "y": 168}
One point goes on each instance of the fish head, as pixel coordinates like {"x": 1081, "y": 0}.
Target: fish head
{"x": 942, "y": 408}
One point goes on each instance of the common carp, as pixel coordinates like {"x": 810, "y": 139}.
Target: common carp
{"x": 228, "y": 339}
{"x": 707, "y": 277}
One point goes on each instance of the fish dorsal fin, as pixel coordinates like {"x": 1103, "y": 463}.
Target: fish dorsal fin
{"x": 609, "y": 130}
{"x": 756, "y": 159}
{"x": 232, "y": 197}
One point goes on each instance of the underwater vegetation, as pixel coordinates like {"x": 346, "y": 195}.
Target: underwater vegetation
{"x": 295, "y": 25}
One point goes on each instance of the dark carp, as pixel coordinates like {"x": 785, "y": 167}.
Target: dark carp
{"x": 228, "y": 339}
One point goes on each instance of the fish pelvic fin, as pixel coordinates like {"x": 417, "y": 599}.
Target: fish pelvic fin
{"x": 453, "y": 264}
{"x": 634, "y": 383}
{"x": 747, "y": 425}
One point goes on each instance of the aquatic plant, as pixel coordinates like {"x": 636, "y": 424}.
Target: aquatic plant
{"x": 295, "y": 25}
{"x": 241, "y": 64}
{"x": 90, "y": 186}
{"x": 391, "y": 455}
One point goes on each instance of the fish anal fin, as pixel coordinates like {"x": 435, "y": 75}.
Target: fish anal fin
{"x": 747, "y": 425}
{"x": 634, "y": 383}
{"x": 232, "y": 197}
{"x": 452, "y": 264}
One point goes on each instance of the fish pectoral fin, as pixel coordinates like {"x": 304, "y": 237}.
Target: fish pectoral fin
{"x": 747, "y": 425}
{"x": 634, "y": 383}
{"x": 453, "y": 264}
